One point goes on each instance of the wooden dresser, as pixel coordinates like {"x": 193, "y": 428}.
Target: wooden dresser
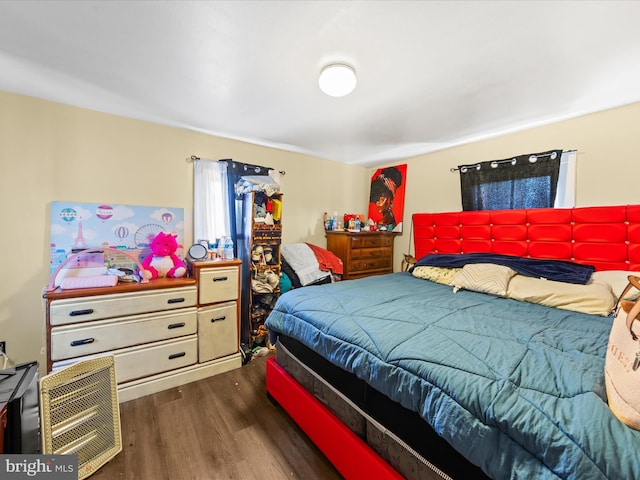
{"x": 362, "y": 253}
{"x": 156, "y": 331}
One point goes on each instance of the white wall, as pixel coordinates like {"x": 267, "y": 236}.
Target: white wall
{"x": 53, "y": 152}
{"x": 608, "y": 163}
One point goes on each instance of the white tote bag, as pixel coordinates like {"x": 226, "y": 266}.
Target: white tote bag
{"x": 622, "y": 363}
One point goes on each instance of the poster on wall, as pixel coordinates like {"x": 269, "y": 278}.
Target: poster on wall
{"x": 79, "y": 226}
{"x": 386, "y": 197}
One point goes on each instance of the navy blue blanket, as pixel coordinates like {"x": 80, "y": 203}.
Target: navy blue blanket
{"x": 557, "y": 270}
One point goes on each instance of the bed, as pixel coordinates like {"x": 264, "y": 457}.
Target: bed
{"x": 397, "y": 376}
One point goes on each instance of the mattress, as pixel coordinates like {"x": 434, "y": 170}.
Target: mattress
{"x": 516, "y": 388}
{"x": 398, "y": 435}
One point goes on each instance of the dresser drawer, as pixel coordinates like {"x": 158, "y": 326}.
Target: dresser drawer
{"x": 218, "y": 285}
{"x": 371, "y": 253}
{"x": 145, "y": 360}
{"x": 66, "y": 311}
{"x": 362, "y": 266}
{"x": 217, "y": 331}
{"x": 366, "y": 241}
{"x": 88, "y": 338}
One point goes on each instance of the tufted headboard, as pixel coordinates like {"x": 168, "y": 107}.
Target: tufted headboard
{"x": 606, "y": 237}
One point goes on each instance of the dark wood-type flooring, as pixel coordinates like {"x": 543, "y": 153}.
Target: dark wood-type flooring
{"x": 222, "y": 427}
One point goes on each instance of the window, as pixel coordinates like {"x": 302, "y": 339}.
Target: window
{"x": 566, "y": 192}
{"x": 210, "y": 200}
{"x": 536, "y": 180}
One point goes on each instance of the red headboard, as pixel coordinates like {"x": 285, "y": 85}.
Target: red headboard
{"x": 606, "y": 237}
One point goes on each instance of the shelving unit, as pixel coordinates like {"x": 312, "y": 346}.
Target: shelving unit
{"x": 262, "y": 247}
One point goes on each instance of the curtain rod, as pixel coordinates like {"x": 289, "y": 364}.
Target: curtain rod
{"x": 512, "y": 161}
{"x": 193, "y": 158}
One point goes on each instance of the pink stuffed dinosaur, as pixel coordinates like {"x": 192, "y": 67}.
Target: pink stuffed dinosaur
{"x": 163, "y": 261}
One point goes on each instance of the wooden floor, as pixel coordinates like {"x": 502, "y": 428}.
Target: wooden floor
{"x": 223, "y": 427}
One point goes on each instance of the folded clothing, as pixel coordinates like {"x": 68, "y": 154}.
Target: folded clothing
{"x": 327, "y": 261}
{"x": 303, "y": 262}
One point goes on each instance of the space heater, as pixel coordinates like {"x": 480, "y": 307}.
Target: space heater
{"x": 80, "y": 413}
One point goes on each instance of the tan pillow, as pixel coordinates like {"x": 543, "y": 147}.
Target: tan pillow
{"x": 617, "y": 281}
{"x": 442, "y": 275}
{"x": 592, "y": 298}
{"x": 484, "y": 277}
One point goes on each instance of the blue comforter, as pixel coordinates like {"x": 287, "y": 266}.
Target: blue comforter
{"x": 517, "y": 388}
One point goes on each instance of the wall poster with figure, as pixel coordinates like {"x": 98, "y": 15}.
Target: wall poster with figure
{"x": 386, "y": 198}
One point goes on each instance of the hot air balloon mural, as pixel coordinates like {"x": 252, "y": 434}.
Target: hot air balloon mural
{"x": 104, "y": 212}
{"x": 121, "y": 233}
{"x": 129, "y": 228}
{"x": 167, "y": 217}
{"x": 68, "y": 214}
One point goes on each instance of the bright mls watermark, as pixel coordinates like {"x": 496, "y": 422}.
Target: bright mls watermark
{"x": 50, "y": 467}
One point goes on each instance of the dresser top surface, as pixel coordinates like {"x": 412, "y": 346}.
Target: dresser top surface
{"x": 123, "y": 287}
{"x": 345, "y": 232}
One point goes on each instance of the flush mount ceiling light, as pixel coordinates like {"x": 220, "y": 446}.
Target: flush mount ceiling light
{"x": 337, "y": 80}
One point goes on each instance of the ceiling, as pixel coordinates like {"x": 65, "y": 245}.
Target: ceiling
{"x": 431, "y": 74}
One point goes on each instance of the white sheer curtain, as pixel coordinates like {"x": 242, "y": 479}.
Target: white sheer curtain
{"x": 566, "y": 194}
{"x": 210, "y": 200}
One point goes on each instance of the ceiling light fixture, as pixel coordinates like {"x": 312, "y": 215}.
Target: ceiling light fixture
{"x": 337, "y": 80}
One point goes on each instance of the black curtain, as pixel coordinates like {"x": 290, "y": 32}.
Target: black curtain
{"x": 236, "y": 170}
{"x": 525, "y": 181}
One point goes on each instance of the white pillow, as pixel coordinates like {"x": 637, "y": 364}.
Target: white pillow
{"x": 442, "y": 275}
{"x": 592, "y": 298}
{"x": 484, "y": 277}
{"x": 617, "y": 281}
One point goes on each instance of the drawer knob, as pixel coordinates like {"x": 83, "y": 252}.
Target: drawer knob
{"x": 176, "y": 300}
{"x": 176, "y": 355}
{"x": 220, "y": 279}
{"x": 175, "y": 325}
{"x": 84, "y": 341}
{"x": 76, "y": 313}
{"x": 217, "y": 319}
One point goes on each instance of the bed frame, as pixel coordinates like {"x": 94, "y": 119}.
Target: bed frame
{"x": 351, "y": 456}
{"x": 606, "y": 237}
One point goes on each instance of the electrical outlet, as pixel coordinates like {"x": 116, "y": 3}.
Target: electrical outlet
{"x": 3, "y": 347}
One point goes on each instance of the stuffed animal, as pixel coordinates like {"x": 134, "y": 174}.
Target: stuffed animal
{"x": 163, "y": 261}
